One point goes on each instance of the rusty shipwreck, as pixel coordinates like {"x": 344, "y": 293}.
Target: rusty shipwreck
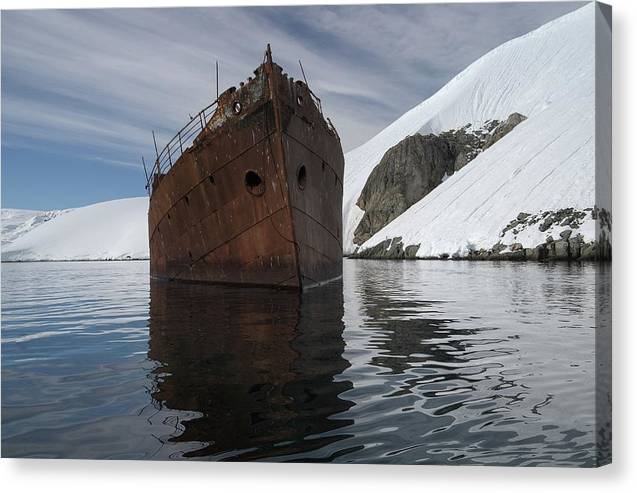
{"x": 250, "y": 190}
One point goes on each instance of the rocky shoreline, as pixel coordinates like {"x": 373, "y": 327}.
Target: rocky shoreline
{"x": 567, "y": 245}
{"x": 569, "y": 249}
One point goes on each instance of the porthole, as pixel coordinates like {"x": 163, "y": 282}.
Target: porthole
{"x": 211, "y": 179}
{"x": 254, "y": 183}
{"x": 236, "y": 107}
{"x": 301, "y": 176}
{"x": 299, "y": 100}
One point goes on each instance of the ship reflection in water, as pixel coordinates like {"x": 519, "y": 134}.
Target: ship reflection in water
{"x": 257, "y": 365}
{"x": 403, "y": 362}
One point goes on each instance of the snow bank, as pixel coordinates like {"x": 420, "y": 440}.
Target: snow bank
{"x": 545, "y": 163}
{"x": 17, "y": 222}
{"x": 112, "y": 230}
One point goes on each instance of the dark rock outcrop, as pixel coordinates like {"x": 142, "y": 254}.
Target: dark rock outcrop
{"x": 466, "y": 145}
{"x": 569, "y": 218}
{"x": 416, "y": 165}
{"x": 406, "y": 173}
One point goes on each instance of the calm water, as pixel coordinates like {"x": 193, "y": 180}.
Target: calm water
{"x": 404, "y": 362}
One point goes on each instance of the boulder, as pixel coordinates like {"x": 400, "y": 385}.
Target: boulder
{"x": 542, "y": 252}
{"x": 546, "y": 224}
{"x": 504, "y": 128}
{"x": 531, "y": 254}
{"x": 515, "y": 255}
{"x": 395, "y": 250}
{"x": 561, "y": 250}
{"x": 575, "y": 243}
{"x": 498, "y": 247}
{"x": 411, "y": 251}
{"x": 538, "y": 253}
{"x": 377, "y": 251}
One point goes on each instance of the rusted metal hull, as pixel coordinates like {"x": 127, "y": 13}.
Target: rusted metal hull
{"x": 257, "y": 198}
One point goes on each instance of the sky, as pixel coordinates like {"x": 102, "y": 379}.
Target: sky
{"x": 83, "y": 89}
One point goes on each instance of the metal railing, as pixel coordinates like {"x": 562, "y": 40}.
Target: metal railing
{"x": 181, "y": 141}
{"x": 185, "y": 137}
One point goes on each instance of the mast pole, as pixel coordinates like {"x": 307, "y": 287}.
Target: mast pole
{"x": 155, "y": 142}
{"x": 146, "y": 175}
{"x": 303, "y": 72}
{"x": 145, "y": 171}
{"x": 217, "y": 74}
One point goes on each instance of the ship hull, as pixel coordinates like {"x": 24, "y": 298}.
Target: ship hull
{"x": 257, "y": 198}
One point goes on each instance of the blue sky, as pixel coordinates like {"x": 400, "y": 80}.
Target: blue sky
{"x": 82, "y": 89}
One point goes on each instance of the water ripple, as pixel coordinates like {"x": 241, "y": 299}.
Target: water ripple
{"x": 404, "y": 362}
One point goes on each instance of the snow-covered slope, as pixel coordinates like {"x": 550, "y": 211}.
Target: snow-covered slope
{"x": 17, "y": 222}
{"x": 117, "y": 229}
{"x": 545, "y": 163}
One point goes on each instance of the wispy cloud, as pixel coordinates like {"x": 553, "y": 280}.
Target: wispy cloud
{"x": 100, "y": 80}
